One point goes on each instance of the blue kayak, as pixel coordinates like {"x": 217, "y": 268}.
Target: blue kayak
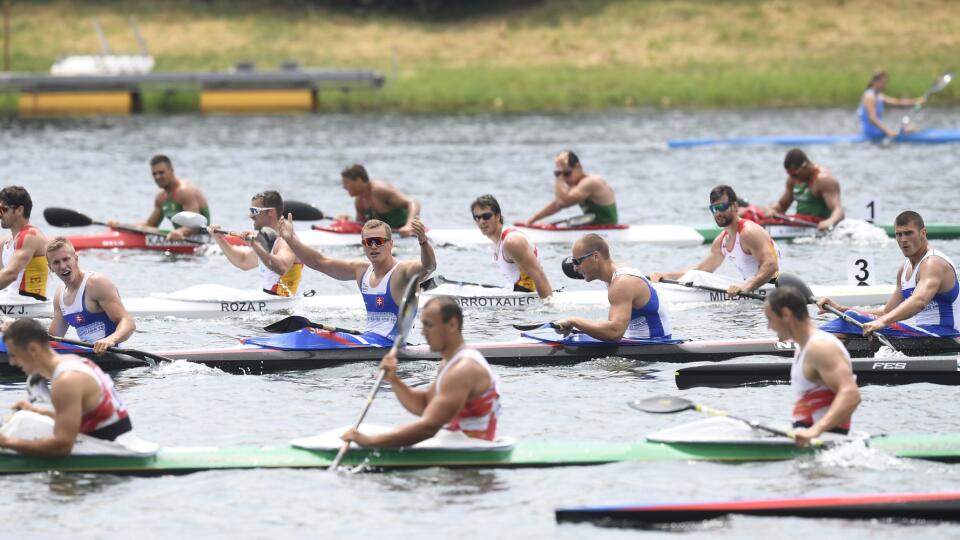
{"x": 928, "y": 136}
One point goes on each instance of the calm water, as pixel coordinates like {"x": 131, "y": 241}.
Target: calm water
{"x": 99, "y": 166}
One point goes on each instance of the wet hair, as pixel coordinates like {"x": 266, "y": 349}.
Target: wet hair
{"x": 24, "y": 331}
{"x": 374, "y": 223}
{"x": 571, "y": 158}
{"x": 595, "y": 242}
{"x": 355, "y": 172}
{"x": 722, "y": 190}
{"x": 449, "y": 309}
{"x": 17, "y": 196}
{"x": 877, "y": 75}
{"x": 790, "y": 298}
{"x": 160, "y": 158}
{"x": 60, "y": 242}
{"x": 271, "y": 199}
{"x": 907, "y": 218}
{"x": 795, "y": 159}
{"x": 487, "y": 201}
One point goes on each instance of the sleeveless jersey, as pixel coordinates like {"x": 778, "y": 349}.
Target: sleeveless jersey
{"x": 650, "y": 321}
{"x": 285, "y": 285}
{"x": 395, "y": 218}
{"x": 808, "y": 203}
{"x": 171, "y": 208}
{"x": 746, "y": 264}
{"x": 813, "y": 400}
{"x": 109, "y": 418}
{"x": 32, "y": 280}
{"x": 382, "y": 310}
{"x": 90, "y": 326}
{"x": 869, "y": 130}
{"x": 478, "y": 417}
{"x": 515, "y": 279}
{"x": 603, "y": 214}
{"x": 944, "y": 308}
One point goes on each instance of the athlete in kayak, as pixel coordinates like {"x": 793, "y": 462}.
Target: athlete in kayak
{"x": 280, "y": 270}
{"x": 376, "y": 199}
{"x": 176, "y": 195}
{"x": 574, "y": 186}
{"x": 381, "y": 277}
{"x": 464, "y": 397}
{"x": 927, "y": 285}
{"x": 24, "y": 270}
{"x": 815, "y": 189}
{"x": 745, "y": 244}
{"x": 88, "y": 302}
{"x": 871, "y": 107}
{"x": 517, "y": 256}
{"x": 83, "y": 397}
{"x": 822, "y": 375}
{"x": 636, "y": 311}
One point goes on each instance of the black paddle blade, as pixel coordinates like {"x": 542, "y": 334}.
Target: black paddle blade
{"x": 569, "y": 270}
{"x": 408, "y": 310}
{"x": 288, "y": 324}
{"x": 65, "y": 217}
{"x": 790, "y": 280}
{"x": 662, "y": 404}
{"x": 302, "y": 211}
{"x": 267, "y": 237}
{"x": 533, "y": 326}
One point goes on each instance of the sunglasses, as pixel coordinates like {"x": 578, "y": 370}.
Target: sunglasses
{"x": 483, "y": 217}
{"x": 558, "y": 173}
{"x": 577, "y": 261}
{"x": 720, "y": 207}
{"x": 375, "y": 241}
{"x": 795, "y": 172}
{"x": 256, "y": 211}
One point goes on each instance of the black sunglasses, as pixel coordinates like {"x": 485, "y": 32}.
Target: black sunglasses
{"x": 577, "y": 261}
{"x": 562, "y": 173}
{"x": 484, "y": 216}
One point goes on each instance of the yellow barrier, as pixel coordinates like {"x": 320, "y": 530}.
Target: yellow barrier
{"x": 252, "y": 101}
{"x": 63, "y": 103}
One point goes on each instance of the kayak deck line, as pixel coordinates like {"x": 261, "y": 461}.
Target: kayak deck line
{"x": 927, "y": 136}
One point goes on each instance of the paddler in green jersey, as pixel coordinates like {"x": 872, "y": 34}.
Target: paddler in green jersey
{"x": 815, "y": 189}
{"x": 176, "y": 195}
{"x": 574, "y": 186}
{"x": 376, "y": 199}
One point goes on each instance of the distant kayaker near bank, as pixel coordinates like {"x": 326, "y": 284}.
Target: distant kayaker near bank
{"x": 872, "y": 104}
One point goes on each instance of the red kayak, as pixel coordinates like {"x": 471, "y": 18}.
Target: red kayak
{"x": 114, "y": 239}
{"x": 561, "y": 227}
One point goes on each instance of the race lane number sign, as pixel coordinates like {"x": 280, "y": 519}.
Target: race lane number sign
{"x": 860, "y": 270}
{"x": 867, "y": 209}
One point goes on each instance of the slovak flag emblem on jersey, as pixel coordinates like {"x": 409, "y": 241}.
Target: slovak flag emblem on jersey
{"x": 380, "y": 302}
{"x": 78, "y": 319}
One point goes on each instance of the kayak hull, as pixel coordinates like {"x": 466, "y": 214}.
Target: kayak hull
{"x": 927, "y": 136}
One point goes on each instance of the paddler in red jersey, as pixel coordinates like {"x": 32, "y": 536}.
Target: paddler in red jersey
{"x": 815, "y": 189}
{"x": 465, "y": 396}
{"x": 821, "y": 376}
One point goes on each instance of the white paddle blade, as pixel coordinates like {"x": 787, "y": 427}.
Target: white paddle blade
{"x": 191, "y": 220}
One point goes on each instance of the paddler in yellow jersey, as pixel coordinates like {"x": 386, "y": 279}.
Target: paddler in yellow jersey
{"x": 821, "y": 377}
{"x": 376, "y": 199}
{"x": 280, "y": 270}
{"x": 574, "y": 186}
{"x": 24, "y": 255}
{"x": 517, "y": 256}
{"x": 814, "y": 188}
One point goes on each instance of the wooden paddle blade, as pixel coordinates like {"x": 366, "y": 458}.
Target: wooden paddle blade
{"x": 65, "y": 217}
{"x": 662, "y": 404}
{"x": 191, "y": 220}
{"x": 790, "y": 280}
{"x": 288, "y": 324}
{"x": 302, "y": 211}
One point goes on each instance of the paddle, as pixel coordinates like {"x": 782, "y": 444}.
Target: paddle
{"x": 794, "y": 221}
{"x": 303, "y": 211}
{"x": 38, "y": 389}
{"x": 405, "y": 320}
{"x": 148, "y": 358}
{"x": 673, "y": 404}
{"x": 296, "y": 322}
{"x": 575, "y": 221}
{"x": 789, "y": 280}
{"x": 266, "y": 237}
{"x": 438, "y": 280}
{"x": 65, "y": 217}
{"x": 939, "y": 85}
{"x": 693, "y": 285}
{"x": 533, "y": 326}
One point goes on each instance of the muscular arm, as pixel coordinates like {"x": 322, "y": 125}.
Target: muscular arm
{"x": 422, "y": 268}
{"x": 521, "y": 252}
{"x": 156, "y": 215}
{"x": 895, "y": 300}
{"x": 396, "y": 199}
{"x": 102, "y": 291}
{"x": 836, "y": 374}
{"x": 240, "y": 256}
{"x": 710, "y": 263}
{"x": 783, "y": 203}
{"x": 21, "y": 257}
{"x": 336, "y": 268}
{"x": 67, "y": 395}
{"x": 931, "y": 275}
{"x": 830, "y": 192}
{"x": 569, "y": 196}
{"x": 758, "y": 242}
{"x": 870, "y": 105}
{"x": 279, "y": 262}
{"x": 621, "y": 304}
{"x": 58, "y": 326}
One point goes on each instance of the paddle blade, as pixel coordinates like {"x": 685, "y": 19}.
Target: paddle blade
{"x": 267, "y": 237}
{"x": 302, "y": 211}
{"x": 65, "y": 217}
{"x": 790, "y": 280}
{"x": 38, "y": 389}
{"x": 191, "y": 220}
{"x": 408, "y": 311}
{"x": 662, "y": 404}
{"x": 569, "y": 270}
{"x": 941, "y": 83}
{"x": 288, "y": 324}
{"x": 533, "y": 326}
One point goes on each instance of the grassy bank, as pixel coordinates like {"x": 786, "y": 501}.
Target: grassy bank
{"x": 560, "y": 55}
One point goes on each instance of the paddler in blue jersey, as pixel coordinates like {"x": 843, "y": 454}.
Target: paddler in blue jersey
{"x": 381, "y": 277}
{"x": 636, "y": 310}
{"x": 821, "y": 377}
{"x": 574, "y": 186}
{"x": 87, "y": 302}
{"x": 927, "y": 287}
{"x": 871, "y": 107}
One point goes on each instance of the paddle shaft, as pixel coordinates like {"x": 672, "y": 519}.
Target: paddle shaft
{"x": 941, "y": 83}
{"x": 135, "y": 230}
{"x": 794, "y": 221}
{"x": 692, "y": 285}
{"x": 363, "y": 414}
{"x": 851, "y": 320}
{"x": 148, "y": 358}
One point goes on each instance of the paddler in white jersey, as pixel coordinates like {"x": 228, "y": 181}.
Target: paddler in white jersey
{"x": 24, "y": 268}
{"x": 927, "y": 284}
{"x": 84, "y": 398}
{"x": 381, "y": 277}
{"x": 88, "y": 302}
{"x": 516, "y": 255}
{"x": 821, "y": 376}
{"x": 636, "y": 310}
{"x": 744, "y": 243}
{"x": 465, "y": 396}
{"x": 280, "y": 270}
